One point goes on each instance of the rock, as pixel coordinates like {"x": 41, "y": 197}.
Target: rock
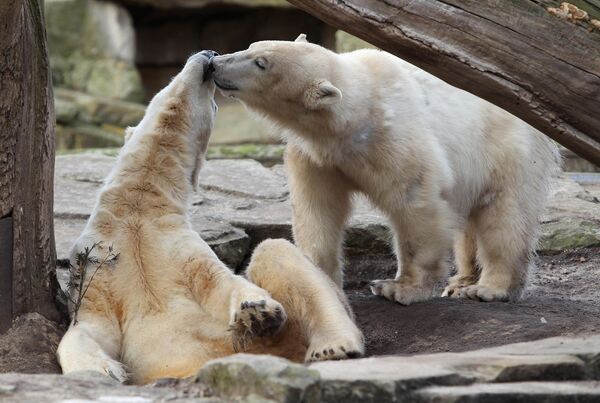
{"x": 569, "y": 234}
{"x": 572, "y": 220}
{"x": 255, "y": 199}
{"x": 92, "y": 48}
{"x": 260, "y": 377}
{"x": 386, "y": 379}
{"x": 236, "y": 125}
{"x": 524, "y": 392}
{"x": 96, "y": 110}
{"x": 84, "y": 136}
{"x": 263, "y": 153}
{"x": 380, "y": 379}
{"x": 92, "y": 387}
{"x": 244, "y": 178}
{"x": 30, "y": 346}
{"x": 231, "y": 244}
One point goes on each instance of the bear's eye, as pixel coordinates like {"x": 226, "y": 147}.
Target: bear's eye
{"x": 261, "y": 63}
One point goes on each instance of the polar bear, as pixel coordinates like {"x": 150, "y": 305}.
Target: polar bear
{"x": 167, "y": 304}
{"x": 444, "y": 166}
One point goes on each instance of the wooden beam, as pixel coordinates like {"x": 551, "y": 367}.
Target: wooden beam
{"x": 6, "y": 263}
{"x": 515, "y": 54}
{"x": 27, "y": 155}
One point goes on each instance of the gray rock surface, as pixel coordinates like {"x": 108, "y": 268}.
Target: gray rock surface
{"x": 92, "y": 48}
{"x": 244, "y": 195}
{"x": 84, "y": 387}
{"x": 521, "y": 392}
{"x": 260, "y": 377}
{"x": 551, "y": 370}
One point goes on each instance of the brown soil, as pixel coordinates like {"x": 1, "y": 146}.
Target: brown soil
{"x": 563, "y": 299}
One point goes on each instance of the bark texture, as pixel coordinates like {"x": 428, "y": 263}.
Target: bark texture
{"x": 27, "y": 155}
{"x": 515, "y": 54}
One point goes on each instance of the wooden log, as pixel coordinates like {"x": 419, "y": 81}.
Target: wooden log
{"x": 515, "y": 54}
{"x": 26, "y": 160}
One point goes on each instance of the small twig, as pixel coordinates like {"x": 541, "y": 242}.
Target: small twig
{"x": 79, "y": 274}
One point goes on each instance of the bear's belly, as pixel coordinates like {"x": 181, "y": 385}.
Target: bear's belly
{"x": 172, "y": 344}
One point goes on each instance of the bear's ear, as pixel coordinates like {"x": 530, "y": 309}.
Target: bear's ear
{"x": 321, "y": 94}
{"x": 128, "y": 133}
{"x": 301, "y": 38}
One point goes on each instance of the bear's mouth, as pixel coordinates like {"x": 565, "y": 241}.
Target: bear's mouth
{"x": 225, "y": 86}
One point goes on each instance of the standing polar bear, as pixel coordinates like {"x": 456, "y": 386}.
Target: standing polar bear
{"x": 167, "y": 304}
{"x": 442, "y": 164}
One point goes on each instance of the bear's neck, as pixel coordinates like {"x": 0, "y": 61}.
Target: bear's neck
{"x": 161, "y": 159}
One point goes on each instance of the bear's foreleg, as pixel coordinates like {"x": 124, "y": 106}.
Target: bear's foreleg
{"x": 317, "y": 306}
{"x": 321, "y": 204}
{"x": 246, "y": 309}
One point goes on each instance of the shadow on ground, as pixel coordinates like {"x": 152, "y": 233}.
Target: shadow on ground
{"x": 563, "y": 299}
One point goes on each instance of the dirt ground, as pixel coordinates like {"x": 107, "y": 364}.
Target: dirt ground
{"x": 563, "y": 298}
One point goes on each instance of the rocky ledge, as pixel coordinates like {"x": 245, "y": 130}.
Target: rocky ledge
{"x": 549, "y": 370}
{"x": 242, "y": 202}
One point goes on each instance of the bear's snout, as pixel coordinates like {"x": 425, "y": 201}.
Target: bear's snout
{"x": 205, "y": 58}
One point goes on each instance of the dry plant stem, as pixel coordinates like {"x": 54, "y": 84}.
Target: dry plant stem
{"x": 80, "y": 272}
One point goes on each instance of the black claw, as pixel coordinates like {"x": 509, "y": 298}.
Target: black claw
{"x": 317, "y": 355}
{"x": 343, "y": 349}
{"x": 324, "y": 352}
{"x": 331, "y": 351}
{"x": 353, "y": 354}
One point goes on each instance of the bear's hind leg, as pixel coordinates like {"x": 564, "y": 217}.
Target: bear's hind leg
{"x": 506, "y": 234}
{"x": 465, "y": 256}
{"x": 423, "y": 240}
{"x": 312, "y": 301}
{"x": 93, "y": 344}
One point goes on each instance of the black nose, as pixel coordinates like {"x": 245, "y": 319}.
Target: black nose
{"x": 209, "y": 53}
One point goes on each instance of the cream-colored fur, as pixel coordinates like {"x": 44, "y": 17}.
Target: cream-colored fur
{"x": 443, "y": 164}
{"x": 168, "y": 304}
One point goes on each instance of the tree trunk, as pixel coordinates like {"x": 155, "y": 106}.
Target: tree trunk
{"x": 515, "y": 54}
{"x": 26, "y": 164}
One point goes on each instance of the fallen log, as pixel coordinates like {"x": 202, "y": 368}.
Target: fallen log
{"x": 516, "y": 54}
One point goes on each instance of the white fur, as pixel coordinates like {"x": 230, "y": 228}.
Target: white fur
{"x": 440, "y": 162}
{"x": 168, "y": 304}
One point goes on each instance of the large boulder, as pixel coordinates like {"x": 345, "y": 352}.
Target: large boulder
{"x": 92, "y": 48}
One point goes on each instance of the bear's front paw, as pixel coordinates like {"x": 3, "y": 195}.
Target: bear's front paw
{"x": 255, "y": 319}
{"x": 397, "y": 291}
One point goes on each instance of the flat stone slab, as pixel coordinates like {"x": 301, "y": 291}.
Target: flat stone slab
{"x": 245, "y": 195}
{"x": 239, "y": 197}
{"x": 542, "y": 371}
{"x": 84, "y": 387}
{"x": 526, "y": 367}
{"x": 522, "y": 392}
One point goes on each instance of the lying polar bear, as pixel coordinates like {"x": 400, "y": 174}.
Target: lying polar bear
{"x": 443, "y": 164}
{"x": 168, "y": 304}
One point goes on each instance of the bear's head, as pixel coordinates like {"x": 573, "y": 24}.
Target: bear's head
{"x": 279, "y": 77}
{"x": 182, "y": 113}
